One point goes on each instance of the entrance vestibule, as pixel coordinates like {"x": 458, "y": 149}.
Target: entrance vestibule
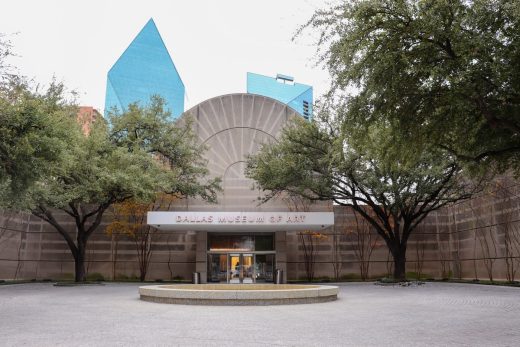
{"x": 241, "y": 258}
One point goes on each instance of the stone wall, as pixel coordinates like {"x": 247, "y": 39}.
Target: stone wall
{"x": 478, "y": 238}
{"x": 32, "y": 249}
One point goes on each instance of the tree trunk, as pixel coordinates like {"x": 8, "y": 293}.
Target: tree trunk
{"x": 79, "y": 260}
{"x": 400, "y": 264}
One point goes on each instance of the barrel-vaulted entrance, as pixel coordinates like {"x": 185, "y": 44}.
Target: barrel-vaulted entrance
{"x": 240, "y": 247}
{"x": 245, "y": 246}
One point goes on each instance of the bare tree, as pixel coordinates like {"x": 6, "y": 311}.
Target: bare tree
{"x": 19, "y": 262}
{"x": 475, "y": 268}
{"x": 455, "y": 240}
{"x": 420, "y": 246}
{"x": 510, "y": 230}
{"x": 488, "y": 245}
{"x": 13, "y": 230}
{"x": 365, "y": 242}
{"x": 310, "y": 241}
{"x": 114, "y": 252}
{"x": 336, "y": 253}
{"x": 170, "y": 268}
{"x": 443, "y": 251}
{"x": 511, "y": 248}
{"x": 116, "y": 230}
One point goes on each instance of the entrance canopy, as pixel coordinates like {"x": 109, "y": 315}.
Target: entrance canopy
{"x": 240, "y": 221}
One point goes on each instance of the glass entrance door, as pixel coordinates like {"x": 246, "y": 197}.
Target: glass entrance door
{"x": 247, "y": 268}
{"x": 264, "y": 267}
{"x": 241, "y": 267}
{"x": 234, "y": 269}
{"x": 217, "y": 268}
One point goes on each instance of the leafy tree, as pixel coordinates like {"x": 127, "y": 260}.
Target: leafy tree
{"x": 30, "y": 129}
{"x": 5, "y": 52}
{"x": 173, "y": 144}
{"x": 375, "y": 176}
{"x": 116, "y": 163}
{"x": 445, "y": 73}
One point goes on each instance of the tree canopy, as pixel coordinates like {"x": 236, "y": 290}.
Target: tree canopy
{"x": 374, "y": 175}
{"x": 139, "y": 154}
{"x": 31, "y": 128}
{"x": 443, "y": 73}
{"x": 150, "y": 130}
{"x": 49, "y": 167}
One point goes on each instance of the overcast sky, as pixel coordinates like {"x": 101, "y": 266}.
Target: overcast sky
{"x": 212, "y": 43}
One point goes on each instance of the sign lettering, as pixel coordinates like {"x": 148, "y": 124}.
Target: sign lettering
{"x": 240, "y": 219}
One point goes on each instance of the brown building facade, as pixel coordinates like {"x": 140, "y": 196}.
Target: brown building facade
{"x": 86, "y": 116}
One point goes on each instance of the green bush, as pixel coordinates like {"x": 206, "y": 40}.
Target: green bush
{"x": 387, "y": 280}
{"x": 450, "y": 275}
{"x": 95, "y": 277}
{"x": 124, "y": 277}
{"x": 415, "y": 276}
{"x": 67, "y": 277}
{"x": 121, "y": 277}
{"x": 351, "y": 277}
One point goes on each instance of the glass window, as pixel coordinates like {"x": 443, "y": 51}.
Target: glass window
{"x": 264, "y": 243}
{"x": 217, "y": 268}
{"x": 230, "y": 242}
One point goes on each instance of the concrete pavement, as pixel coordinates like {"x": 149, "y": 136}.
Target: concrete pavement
{"x": 434, "y": 314}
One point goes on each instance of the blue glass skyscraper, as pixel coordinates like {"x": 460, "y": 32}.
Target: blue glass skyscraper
{"x": 144, "y": 69}
{"x": 282, "y": 88}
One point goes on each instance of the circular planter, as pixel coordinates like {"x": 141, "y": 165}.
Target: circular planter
{"x": 238, "y": 294}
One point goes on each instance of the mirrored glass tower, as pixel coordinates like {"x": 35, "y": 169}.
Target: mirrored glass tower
{"x": 144, "y": 69}
{"x": 283, "y": 88}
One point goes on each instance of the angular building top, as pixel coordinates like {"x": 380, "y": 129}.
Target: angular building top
{"x": 144, "y": 69}
{"x": 282, "y": 88}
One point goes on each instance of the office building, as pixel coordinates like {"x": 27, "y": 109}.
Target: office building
{"x": 144, "y": 69}
{"x": 284, "y": 89}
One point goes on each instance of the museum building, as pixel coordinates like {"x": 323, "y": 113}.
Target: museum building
{"x": 238, "y": 239}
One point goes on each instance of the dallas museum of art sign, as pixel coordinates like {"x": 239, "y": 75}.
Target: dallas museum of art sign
{"x": 240, "y": 221}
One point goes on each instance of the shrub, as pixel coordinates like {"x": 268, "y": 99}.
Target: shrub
{"x": 95, "y": 276}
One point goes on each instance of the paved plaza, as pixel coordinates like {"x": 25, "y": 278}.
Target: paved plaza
{"x": 434, "y": 314}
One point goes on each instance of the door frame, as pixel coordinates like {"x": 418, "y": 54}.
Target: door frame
{"x": 241, "y": 257}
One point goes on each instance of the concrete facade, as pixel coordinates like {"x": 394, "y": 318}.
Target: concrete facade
{"x": 232, "y": 127}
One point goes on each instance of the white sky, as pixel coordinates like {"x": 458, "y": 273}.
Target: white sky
{"x": 213, "y": 43}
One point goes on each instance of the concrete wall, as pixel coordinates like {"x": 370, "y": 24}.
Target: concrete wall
{"x": 32, "y": 249}
{"x": 469, "y": 240}
{"x": 232, "y": 127}
{"x": 478, "y": 238}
